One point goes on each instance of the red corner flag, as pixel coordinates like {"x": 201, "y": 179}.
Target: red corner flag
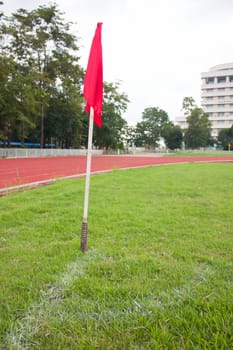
{"x": 93, "y": 81}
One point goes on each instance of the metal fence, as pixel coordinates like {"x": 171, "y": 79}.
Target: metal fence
{"x": 46, "y": 152}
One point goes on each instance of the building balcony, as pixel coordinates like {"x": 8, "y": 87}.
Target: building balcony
{"x": 217, "y": 92}
{"x": 227, "y": 102}
{"x": 217, "y": 108}
{"x": 218, "y": 73}
{"x": 220, "y": 126}
{"x": 219, "y": 118}
{"x": 216, "y": 85}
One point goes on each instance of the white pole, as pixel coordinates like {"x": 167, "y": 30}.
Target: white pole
{"x": 87, "y": 183}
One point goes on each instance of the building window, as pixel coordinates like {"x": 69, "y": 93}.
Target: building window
{"x": 231, "y": 78}
{"x": 209, "y": 80}
{"x": 221, "y": 79}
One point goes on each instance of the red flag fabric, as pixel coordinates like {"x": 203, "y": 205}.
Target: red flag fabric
{"x": 93, "y": 81}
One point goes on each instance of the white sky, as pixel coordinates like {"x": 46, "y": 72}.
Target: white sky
{"x": 156, "y": 48}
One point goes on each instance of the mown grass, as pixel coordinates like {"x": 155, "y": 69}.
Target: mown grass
{"x": 158, "y": 273}
{"x": 195, "y": 153}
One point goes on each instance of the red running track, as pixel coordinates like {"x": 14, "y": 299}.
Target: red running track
{"x": 19, "y": 171}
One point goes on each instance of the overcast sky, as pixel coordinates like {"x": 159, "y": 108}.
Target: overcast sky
{"x": 156, "y": 48}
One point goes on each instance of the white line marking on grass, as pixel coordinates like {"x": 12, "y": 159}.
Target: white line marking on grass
{"x": 24, "y": 329}
{"x": 50, "y": 307}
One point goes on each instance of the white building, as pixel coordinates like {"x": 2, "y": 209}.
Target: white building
{"x": 182, "y": 122}
{"x": 216, "y": 98}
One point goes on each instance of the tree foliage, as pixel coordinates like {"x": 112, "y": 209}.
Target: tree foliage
{"x": 173, "y": 137}
{"x": 154, "y": 123}
{"x": 188, "y": 105}
{"x": 41, "y": 83}
{"x": 44, "y": 66}
{"x": 198, "y": 133}
{"x": 225, "y": 137}
{"x": 1, "y": 13}
{"x": 115, "y": 104}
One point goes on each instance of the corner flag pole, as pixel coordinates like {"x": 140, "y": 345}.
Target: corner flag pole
{"x": 87, "y": 183}
{"x": 93, "y": 94}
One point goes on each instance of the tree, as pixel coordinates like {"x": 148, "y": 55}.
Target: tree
{"x": 115, "y": 104}
{"x": 1, "y": 13}
{"x": 151, "y": 128}
{"x": 129, "y": 135}
{"x": 6, "y": 94}
{"x": 198, "y": 133}
{"x": 40, "y": 42}
{"x": 188, "y": 105}
{"x": 225, "y": 137}
{"x": 65, "y": 121}
{"x": 173, "y": 137}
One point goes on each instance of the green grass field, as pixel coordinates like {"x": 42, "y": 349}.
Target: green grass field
{"x": 158, "y": 273}
{"x": 201, "y": 153}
